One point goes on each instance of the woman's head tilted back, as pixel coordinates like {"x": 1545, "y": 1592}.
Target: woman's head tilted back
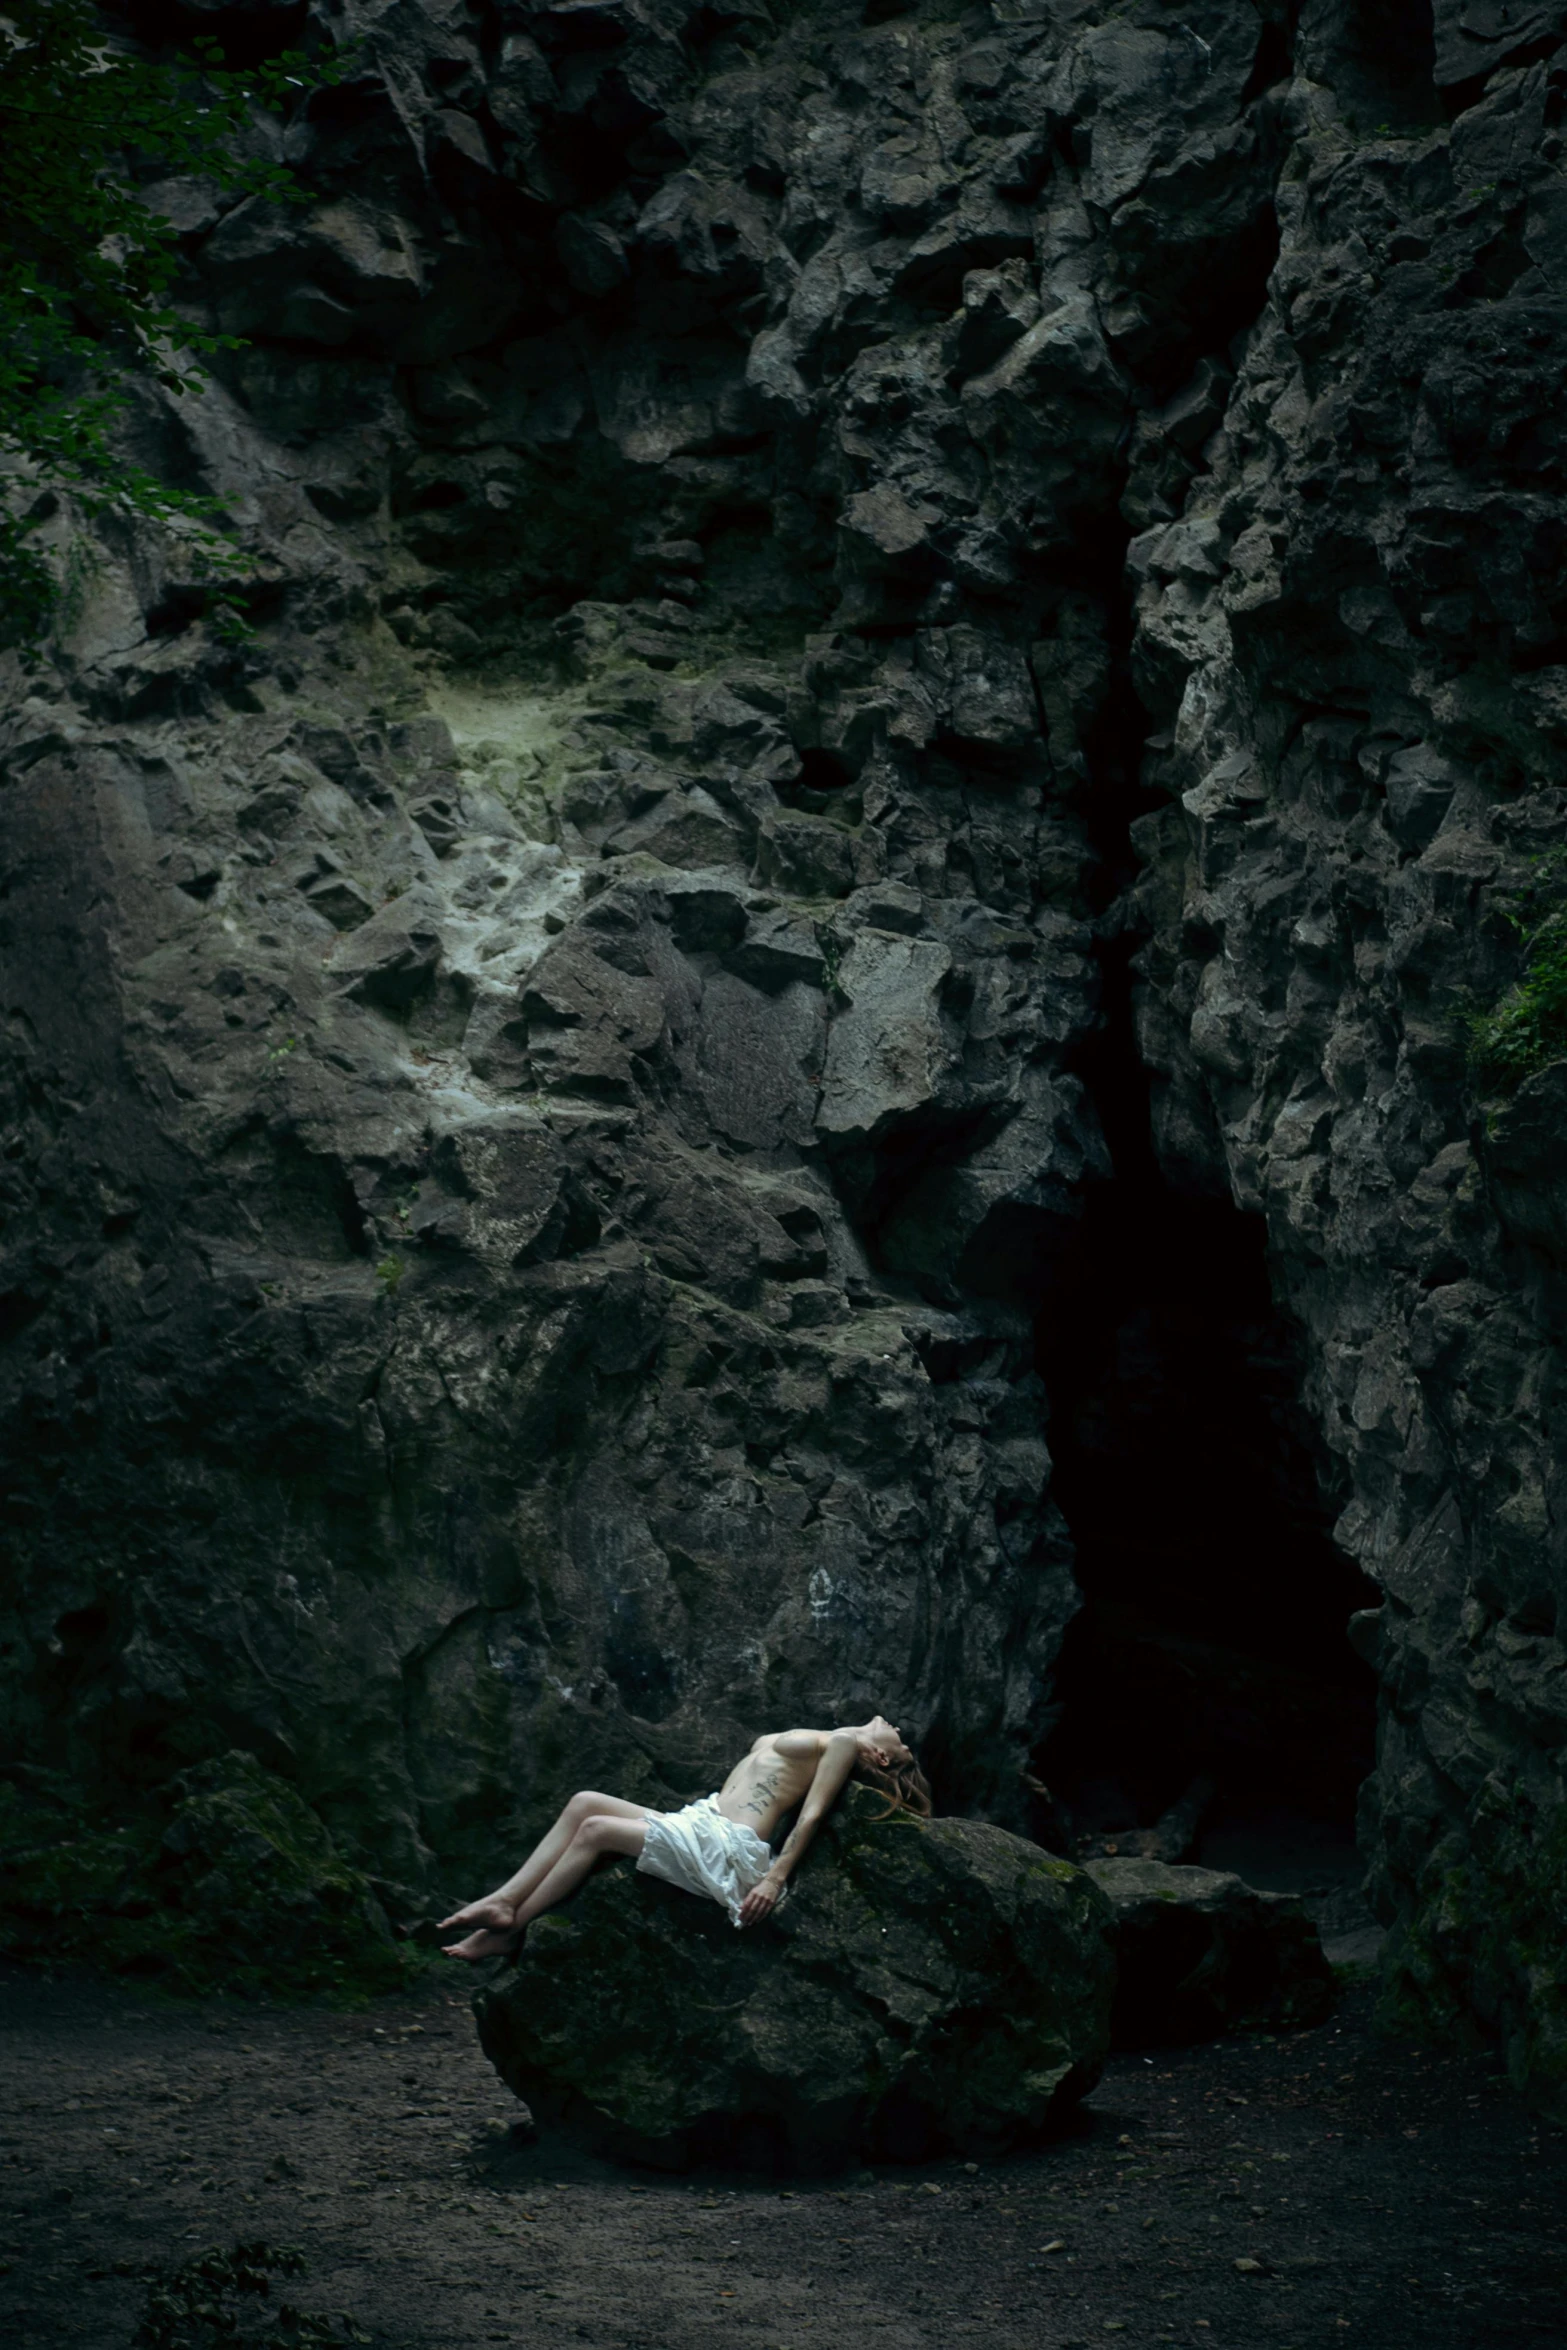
{"x": 889, "y": 1766}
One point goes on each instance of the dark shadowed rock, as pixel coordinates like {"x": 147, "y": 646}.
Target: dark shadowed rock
{"x": 771, "y": 488}
{"x": 1202, "y": 1953}
{"x": 241, "y": 1884}
{"x": 927, "y": 1986}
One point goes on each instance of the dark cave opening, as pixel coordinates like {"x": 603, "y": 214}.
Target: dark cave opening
{"x": 1210, "y": 1660}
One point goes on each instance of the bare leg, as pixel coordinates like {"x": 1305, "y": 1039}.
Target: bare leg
{"x": 593, "y": 1838}
{"x": 497, "y": 1911}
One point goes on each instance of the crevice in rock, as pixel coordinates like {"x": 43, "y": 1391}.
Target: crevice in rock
{"x": 1208, "y": 1673}
{"x": 1379, "y": 60}
{"x": 1210, "y": 1659}
{"x": 1275, "y": 58}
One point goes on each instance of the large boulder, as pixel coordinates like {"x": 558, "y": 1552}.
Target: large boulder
{"x": 927, "y": 1986}
{"x": 1201, "y": 1953}
{"x": 238, "y": 1884}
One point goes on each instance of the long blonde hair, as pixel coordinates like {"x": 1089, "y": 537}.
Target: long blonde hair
{"x": 904, "y": 1785}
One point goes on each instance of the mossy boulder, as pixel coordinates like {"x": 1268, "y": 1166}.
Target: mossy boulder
{"x": 928, "y": 1986}
{"x": 234, "y": 1884}
{"x": 1202, "y": 1953}
{"x": 1486, "y": 1938}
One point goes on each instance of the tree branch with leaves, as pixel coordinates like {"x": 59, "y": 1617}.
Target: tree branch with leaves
{"x": 88, "y": 267}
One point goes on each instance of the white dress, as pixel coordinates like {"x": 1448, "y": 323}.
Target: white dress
{"x": 701, "y": 1850}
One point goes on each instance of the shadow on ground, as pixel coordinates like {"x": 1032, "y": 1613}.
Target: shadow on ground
{"x": 1327, "y": 2187}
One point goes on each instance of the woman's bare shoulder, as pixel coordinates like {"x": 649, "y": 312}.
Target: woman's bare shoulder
{"x": 796, "y": 1745}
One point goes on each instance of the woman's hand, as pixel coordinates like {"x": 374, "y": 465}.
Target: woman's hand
{"x": 760, "y": 1902}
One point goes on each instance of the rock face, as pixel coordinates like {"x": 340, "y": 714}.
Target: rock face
{"x": 927, "y": 1986}
{"x": 547, "y": 1094}
{"x": 1199, "y": 1953}
{"x": 1351, "y": 639}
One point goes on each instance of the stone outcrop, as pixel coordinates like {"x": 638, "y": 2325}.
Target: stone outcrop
{"x": 1199, "y": 1953}
{"x": 925, "y": 1987}
{"x": 545, "y": 1092}
{"x": 1350, "y": 638}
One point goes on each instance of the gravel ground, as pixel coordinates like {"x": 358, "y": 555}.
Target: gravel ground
{"x": 1331, "y": 2187}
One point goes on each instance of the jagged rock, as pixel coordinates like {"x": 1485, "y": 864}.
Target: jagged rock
{"x": 262, "y": 257}
{"x": 1414, "y": 1239}
{"x": 794, "y": 546}
{"x": 778, "y": 948}
{"x": 1520, "y": 1151}
{"x": 592, "y": 256}
{"x": 756, "y": 1059}
{"x": 926, "y": 1987}
{"x": 683, "y": 829}
{"x": 1200, "y": 1953}
{"x": 337, "y": 896}
{"x": 390, "y": 960}
{"x": 889, "y": 1052}
{"x": 806, "y": 854}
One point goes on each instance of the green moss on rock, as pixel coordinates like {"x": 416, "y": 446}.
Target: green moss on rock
{"x": 1526, "y": 1030}
{"x": 1487, "y": 1938}
{"x": 927, "y": 1986}
{"x": 237, "y": 1886}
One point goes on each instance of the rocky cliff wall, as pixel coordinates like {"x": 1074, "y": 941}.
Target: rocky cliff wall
{"x": 1352, "y": 638}
{"x": 550, "y": 1092}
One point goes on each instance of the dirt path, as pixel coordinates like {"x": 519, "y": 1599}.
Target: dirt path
{"x": 1402, "y": 2201}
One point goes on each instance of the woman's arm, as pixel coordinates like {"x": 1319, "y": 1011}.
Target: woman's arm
{"x": 839, "y": 1755}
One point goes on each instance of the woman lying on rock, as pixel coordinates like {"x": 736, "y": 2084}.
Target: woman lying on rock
{"x": 718, "y": 1846}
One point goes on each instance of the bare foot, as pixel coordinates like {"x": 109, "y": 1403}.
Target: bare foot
{"x": 489, "y": 1942}
{"x": 491, "y": 1912}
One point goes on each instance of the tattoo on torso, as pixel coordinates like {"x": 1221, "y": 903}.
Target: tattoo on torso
{"x": 765, "y": 1786}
